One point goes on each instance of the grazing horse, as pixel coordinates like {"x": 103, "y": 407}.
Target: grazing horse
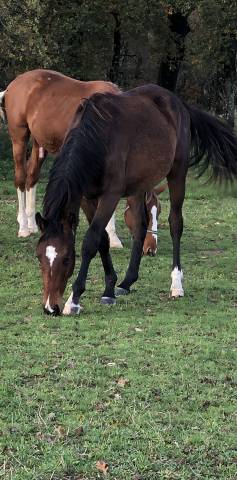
{"x": 42, "y": 104}
{"x": 125, "y": 145}
{"x": 153, "y": 209}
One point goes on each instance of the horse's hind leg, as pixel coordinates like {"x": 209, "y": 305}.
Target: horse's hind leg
{"x": 139, "y": 210}
{"x": 38, "y": 155}
{"x": 176, "y": 185}
{"x": 96, "y": 239}
{"x": 20, "y": 138}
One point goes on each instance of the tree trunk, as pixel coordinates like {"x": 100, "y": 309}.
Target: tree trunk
{"x": 169, "y": 68}
{"x": 115, "y": 66}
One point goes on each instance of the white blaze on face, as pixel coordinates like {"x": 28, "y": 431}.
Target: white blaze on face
{"x": 48, "y": 307}
{"x": 154, "y": 221}
{"x": 176, "y": 285}
{"x": 51, "y": 254}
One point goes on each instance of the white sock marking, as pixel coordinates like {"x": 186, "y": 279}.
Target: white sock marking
{"x": 30, "y": 209}
{"x": 51, "y": 254}
{"x": 154, "y": 221}
{"x": 69, "y": 305}
{"x": 21, "y": 217}
{"x": 176, "y": 285}
{"x": 114, "y": 240}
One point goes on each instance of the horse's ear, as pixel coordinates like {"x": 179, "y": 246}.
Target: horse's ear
{"x": 41, "y": 222}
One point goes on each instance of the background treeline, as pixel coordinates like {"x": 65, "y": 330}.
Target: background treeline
{"x": 188, "y": 46}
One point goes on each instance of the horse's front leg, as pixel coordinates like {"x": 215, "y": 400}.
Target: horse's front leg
{"x": 89, "y": 207}
{"x": 96, "y": 239}
{"x": 38, "y": 155}
{"x": 139, "y": 210}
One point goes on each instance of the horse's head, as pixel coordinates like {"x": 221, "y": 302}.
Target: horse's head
{"x": 56, "y": 254}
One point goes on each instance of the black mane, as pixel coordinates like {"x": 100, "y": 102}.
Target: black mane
{"x": 80, "y": 164}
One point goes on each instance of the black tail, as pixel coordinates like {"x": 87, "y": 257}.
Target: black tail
{"x": 81, "y": 162}
{"x": 215, "y": 145}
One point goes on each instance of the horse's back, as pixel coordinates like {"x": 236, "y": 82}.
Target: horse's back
{"x": 45, "y": 102}
{"x": 144, "y": 133}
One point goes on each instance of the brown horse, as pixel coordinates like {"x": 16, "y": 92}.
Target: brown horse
{"x": 125, "y": 145}
{"x": 41, "y": 104}
{"x": 153, "y": 207}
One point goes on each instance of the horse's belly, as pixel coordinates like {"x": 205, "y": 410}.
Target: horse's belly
{"x": 50, "y": 130}
{"x": 49, "y": 134}
{"x": 143, "y": 176}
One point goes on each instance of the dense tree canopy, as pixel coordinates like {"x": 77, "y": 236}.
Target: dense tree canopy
{"x": 187, "y": 46}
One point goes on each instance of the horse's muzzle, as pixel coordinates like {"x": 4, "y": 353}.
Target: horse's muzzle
{"x": 54, "y": 311}
{"x": 150, "y": 252}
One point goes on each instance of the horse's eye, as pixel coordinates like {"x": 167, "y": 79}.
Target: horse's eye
{"x": 66, "y": 260}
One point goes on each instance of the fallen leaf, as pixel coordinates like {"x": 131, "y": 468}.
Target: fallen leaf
{"x": 79, "y": 431}
{"x": 60, "y": 431}
{"x": 122, "y": 382}
{"x": 44, "y": 437}
{"x": 102, "y": 466}
{"x": 51, "y": 416}
{"x": 117, "y": 396}
{"x": 138, "y": 329}
{"x": 100, "y": 406}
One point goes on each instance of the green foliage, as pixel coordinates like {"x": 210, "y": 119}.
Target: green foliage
{"x": 77, "y": 38}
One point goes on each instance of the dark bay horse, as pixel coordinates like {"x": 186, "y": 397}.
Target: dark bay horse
{"x": 120, "y": 146}
{"x": 41, "y": 104}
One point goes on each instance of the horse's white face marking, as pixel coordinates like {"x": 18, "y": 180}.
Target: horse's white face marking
{"x": 154, "y": 221}
{"x": 176, "y": 285}
{"x": 51, "y": 254}
{"x": 48, "y": 307}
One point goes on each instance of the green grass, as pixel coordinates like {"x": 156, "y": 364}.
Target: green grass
{"x": 61, "y": 406}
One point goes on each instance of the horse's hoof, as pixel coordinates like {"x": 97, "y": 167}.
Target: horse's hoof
{"x": 176, "y": 293}
{"x": 23, "y": 233}
{"x": 72, "y": 309}
{"x": 108, "y": 301}
{"x": 121, "y": 291}
{"x": 151, "y": 253}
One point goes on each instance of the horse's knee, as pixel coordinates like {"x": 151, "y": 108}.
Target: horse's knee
{"x": 20, "y": 179}
{"x": 31, "y": 179}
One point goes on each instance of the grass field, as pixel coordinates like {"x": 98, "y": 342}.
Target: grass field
{"x": 147, "y": 386}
